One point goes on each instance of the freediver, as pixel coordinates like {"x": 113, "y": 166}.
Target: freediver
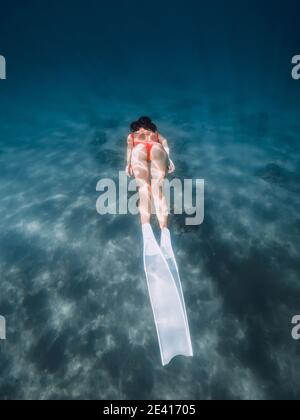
{"x": 148, "y": 160}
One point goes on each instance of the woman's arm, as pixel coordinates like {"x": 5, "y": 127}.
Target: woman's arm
{"x": 129, "y": 170}
{"x": 163, "y": 141}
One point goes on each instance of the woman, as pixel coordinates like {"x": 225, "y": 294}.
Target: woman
{"x": 148, "y": 159}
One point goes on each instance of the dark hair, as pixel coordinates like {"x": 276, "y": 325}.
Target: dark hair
{"x": 143, "y": 122}
{"x": 134, "y": 126}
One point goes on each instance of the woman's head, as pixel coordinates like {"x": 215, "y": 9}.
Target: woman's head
{"x": 145, "y": 123}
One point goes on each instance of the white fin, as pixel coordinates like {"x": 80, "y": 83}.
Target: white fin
{"x": 167, "y": 250}
{"x": 166, "y": 301}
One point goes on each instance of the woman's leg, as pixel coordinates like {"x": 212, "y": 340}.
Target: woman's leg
{"x": 141, "y": 172}
{"x": 158, "y": 173}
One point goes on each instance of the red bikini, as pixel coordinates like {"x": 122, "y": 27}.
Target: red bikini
{"x": 154, "y": 138}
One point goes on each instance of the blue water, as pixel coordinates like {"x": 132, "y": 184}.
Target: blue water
{"x": 216, "y": 78}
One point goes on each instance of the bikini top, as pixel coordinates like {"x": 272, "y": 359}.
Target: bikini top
{"x": 145, "y": 137}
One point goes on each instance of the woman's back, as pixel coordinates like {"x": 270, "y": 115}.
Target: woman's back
{"x": 143, "y": 135}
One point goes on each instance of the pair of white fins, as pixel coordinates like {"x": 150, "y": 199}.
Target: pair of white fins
{"x": 166, "y": 296}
